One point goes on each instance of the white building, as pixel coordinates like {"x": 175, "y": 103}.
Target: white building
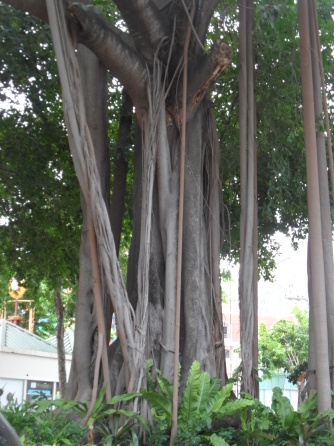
{"x": 28, "y": 364}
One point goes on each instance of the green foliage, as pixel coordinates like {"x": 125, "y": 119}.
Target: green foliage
{"x": 39, "y": 205}
{"x": 304, "y": 426}
{"x": 284, "y": 347}
{"x": 203, "y": 402}
{"x": 203, "y": 410}
{"x": 43, "y": 427}
{"x": 38, "y": 423}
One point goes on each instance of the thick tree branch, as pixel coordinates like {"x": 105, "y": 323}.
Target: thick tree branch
{"x": 209, "y": 68}
{"x": 204, "y": 14}
{"x": 94, "y": 31}
{"x": 145, "y": 23}
{"x": 36, "y": 8}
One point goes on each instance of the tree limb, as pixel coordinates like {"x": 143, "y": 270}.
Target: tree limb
{"x": 101, "y": 37}
{"x": 209, "y": 69}
{"x": 36, "y": 8}
{"x": 205, "y": 11}
{"x": 146, "y": 24}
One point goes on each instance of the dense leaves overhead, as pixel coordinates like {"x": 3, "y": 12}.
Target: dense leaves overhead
{"x": 39, "y": 196}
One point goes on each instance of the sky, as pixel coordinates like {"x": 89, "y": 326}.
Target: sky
{"x": 289, "y": 287}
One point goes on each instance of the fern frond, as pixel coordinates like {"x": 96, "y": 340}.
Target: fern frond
{"x": 215, "y": 384}
{"x": 203, "y": 393}
{"x": 160, "y": 405}
{"x": 232, "y": 407}
{"x": 165, "y": 386}
{"x": 282, "y": 407}
{"x": 190, "y": 397}
{"x": 221, "y": 396}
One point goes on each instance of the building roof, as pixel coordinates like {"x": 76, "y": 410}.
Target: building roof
{"x": 16, "y": 338}
{"x": 68, "y": 341}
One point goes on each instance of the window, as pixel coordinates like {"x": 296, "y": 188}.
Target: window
{"x": 39, "y": 388}
{"x": 227, "y": 354}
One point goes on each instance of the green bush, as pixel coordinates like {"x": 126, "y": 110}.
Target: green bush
{"x": 46, "y": 428}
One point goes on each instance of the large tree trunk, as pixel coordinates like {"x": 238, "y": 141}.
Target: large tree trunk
{"x": 201, "y": 332}
{"x": 149, "y": 67}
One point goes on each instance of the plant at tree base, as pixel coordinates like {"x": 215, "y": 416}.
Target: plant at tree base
{"x": 37, "y": 423}
{"x": 203, "y": 402}
{"x": 302, "y": 427}
{"x": 255, "y": 427}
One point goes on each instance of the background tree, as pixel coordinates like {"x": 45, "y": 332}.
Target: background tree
{"x": 284, "y": 346}
{"x": 40, "y": 212}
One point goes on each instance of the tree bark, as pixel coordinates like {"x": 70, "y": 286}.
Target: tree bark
{"x": 314, "y": 211}
{"x": 326, "y": 220}
{"x": 94, "y": 81}
{"x": 8, "y": 437}
{"x": 59, "y": 308}
{"x": 120, "y": 169}
{"x": 248, "y": 200}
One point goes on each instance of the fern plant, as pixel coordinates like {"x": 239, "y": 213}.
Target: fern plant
{"x": 203, "y": 401}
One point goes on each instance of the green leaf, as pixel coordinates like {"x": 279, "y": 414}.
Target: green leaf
{"x": 190, "y": 396}
{"x": 125, "y": 397}
{"x": 215, "y": 384}
{"x": 232, "y": 407}
{"x": 161, "y": 407}
{"x": 203, "y": 393}
{"x": 165, "y": 386}
{"x": 215, "y": 440}
{"x": 221, "y": 396}
{"x": 282, "y": 408}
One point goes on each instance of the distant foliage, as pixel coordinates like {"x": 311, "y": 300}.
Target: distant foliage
{"x": 284, "y": 347}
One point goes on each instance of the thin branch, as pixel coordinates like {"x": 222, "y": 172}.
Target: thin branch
{"x": 192, "y": 26}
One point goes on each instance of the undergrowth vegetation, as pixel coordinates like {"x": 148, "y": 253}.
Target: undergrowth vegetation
{"x": 208, "y": 414}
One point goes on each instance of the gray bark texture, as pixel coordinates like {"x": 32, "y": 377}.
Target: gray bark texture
{"x": 326, "y": 219}
{"x": 60, "y": 340}
{"x": 248, "y": 275}
{"x": 316, "y": 253}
